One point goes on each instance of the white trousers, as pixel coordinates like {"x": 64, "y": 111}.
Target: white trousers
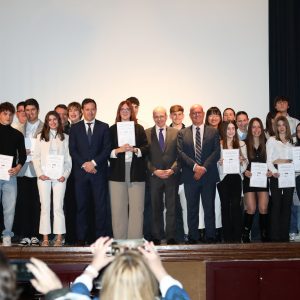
{"x": 59, "y": 188}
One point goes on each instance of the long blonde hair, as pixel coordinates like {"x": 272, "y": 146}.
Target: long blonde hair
{"x": 129, "y": 278}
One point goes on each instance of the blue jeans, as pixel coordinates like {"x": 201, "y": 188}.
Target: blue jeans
{"x": 8, "y": 191}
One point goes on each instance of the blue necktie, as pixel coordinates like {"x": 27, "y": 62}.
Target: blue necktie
{"x": 89, "y": 133}
{"x": 198, "y": 146}
{"x": 161, "y": 139}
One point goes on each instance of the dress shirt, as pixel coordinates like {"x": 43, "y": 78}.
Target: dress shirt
{"x": 92, "y": 122}
{"x": 277, "y": 150}
{"x": 157, "y": 129}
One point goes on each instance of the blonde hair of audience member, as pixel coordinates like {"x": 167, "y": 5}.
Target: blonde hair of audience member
{"x": 281, "y": 120}
{"x": 128, "y": 277}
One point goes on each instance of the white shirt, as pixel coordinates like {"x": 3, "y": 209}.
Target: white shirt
{"x": 157, "y": 129}
{"x": 293, "y": 122}
{"x": 277, "y": 150}
{"x": 87, "y": 126}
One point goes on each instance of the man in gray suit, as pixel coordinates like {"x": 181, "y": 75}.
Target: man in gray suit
{"x": 163, "y": 168}
{"x": 27, "y": 217}
{"x": 199, "y": 152}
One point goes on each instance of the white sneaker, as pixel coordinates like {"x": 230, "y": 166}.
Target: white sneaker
{"x": 297, "y": 237}
{"x": 6, "y": 241}
{"x": 25, "y": 242}
{"x": 35, "y": 241}
{"x": 292, "y": 237}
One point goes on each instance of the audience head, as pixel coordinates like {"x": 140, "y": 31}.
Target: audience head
{"x": 125, "y": 112}
{"x": 89, "y": 109}
{"x": 256, "y": 132}
{"x": 176, "y": 114}
{"x": 160, "y": 116}
{"x": 32, "y": 109}
{"x": 20, "y": 113}
{"x": 270, "y": 123}
{"x": 213, "y": 117}
{"x": 129, "y": 277}
{"x": 52, "y": 121}
{"x": 62, "y": 110}
{"x": 228, "y": 114}
{"x": 229, "y": 135}
{"x": 242, "y": 120}
{"x": 8, "y": 285}
{"x": 74, "y": 112}
{"x": 197, "y": 114}
{"x": 7, "y": 111}
{"x": 281, "y": 104}
{"x": 282, "y": 129}
{"x": 135, "y": 104}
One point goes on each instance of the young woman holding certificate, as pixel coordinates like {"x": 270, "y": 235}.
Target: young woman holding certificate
{"x": 279, "y": 152}
{"x": 127, "y": 175}
{"x": 230, "y": 186}
{"x": 256, "y": 151}
{"x": 52, "y": 163}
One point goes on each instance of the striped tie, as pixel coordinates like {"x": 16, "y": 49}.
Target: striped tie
{"x": 198, "y": 146}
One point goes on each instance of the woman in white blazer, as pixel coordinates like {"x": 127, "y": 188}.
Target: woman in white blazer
{"x": 52, "y": 144}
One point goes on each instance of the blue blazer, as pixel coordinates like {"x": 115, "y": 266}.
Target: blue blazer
{"x": 82, "y": 152}
{"x": 210, "y": 154}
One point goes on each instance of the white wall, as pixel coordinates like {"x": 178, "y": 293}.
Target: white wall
{"x": 212, "y": 52}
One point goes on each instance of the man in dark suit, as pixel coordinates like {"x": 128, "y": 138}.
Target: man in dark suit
{"x": 163, "y": 168}
{"x": 90, "y": 149}
{"x": 199, "y": 151}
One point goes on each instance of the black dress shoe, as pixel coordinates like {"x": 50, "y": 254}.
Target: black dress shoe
{"x": 172, "y": 242}
{"x": 192, "y": 242}
{"x": 80, "y": 243}
{"x": 156, "y": 242}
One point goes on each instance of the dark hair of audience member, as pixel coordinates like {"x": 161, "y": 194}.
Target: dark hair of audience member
{"x": 269, "y": 123}
{"x": 132, "y": 114}
{"x": 7, "y": 106}
{"x": 288, "y": 135}
{"x": 241, "y": 112}
{"x": 214, "y": 110}
{"x": 280, "y": 98}
{"x": 45, "y": 134}
{"x": 21, "y": 103}
{"x": 229, "y": 108}
{"x": 250, "y": 140}
{"x": 87, "y": 101}
{"x": 133, "y": 100}
{"x": 32, "y": 102}
{"x": 235, "y": 140}
{"x": 8, "y": 285}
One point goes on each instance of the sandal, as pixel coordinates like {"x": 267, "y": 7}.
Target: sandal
{"x": 45, "y": 243}
{"x": 58, "y": 243}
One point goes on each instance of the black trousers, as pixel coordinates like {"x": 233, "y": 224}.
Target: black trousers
{"x": 280, "y": 213}
{"x": 230, "y": 191}
{"x": 28, "y": 208}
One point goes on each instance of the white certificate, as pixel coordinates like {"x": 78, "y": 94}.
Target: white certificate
{"x": 259, "y": 175}
{"x": 54, "y": 166}
{"x": 126, "y": 133}
{"x": 296, "y": 158}
{"x": 286, "y": 175}
{"x": 231, "y": 161}
{"x": 5, "y": 164}
{"x": 30, "y": 145}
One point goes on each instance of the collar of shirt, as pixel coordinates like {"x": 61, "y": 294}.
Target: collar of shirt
{"x": 87, "y": 126}
{"x": 157, "y": 129}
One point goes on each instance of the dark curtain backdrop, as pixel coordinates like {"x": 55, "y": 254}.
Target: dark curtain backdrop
{"x": 284, "y": 52}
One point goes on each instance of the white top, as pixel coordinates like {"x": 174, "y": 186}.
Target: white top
{"x": 277, "y": 150}
{"x": 243, "y": 150}
{"x": 293, "y": 122}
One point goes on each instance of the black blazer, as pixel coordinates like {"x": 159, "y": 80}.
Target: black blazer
{"x": 210, "y": 154}
{"x": 138, "y": 164}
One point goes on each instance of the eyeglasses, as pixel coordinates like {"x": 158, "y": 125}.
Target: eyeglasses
{"x": 197, "y": 113}
{"x": 125, "y": 109}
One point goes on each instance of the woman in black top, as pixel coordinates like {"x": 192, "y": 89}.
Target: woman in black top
{"x": 256, "y": 150}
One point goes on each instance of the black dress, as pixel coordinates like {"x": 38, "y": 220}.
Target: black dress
{"x": 246, "y": 182}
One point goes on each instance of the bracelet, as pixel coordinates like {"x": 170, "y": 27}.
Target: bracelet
{"x": 92, "y": 270}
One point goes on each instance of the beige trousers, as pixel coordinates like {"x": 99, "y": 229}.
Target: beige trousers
{"x": 127, "y": 209}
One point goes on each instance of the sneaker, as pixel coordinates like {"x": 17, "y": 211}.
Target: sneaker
{"x": 6, "y": 241}
{"x": 35, "y": 242}
{"x": 292, "y": 237}
{"x": 25, "y": 242}
{"x": 297, "y": 237}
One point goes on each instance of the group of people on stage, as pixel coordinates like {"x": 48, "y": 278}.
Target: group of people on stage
{"x": 169, "y": 184}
